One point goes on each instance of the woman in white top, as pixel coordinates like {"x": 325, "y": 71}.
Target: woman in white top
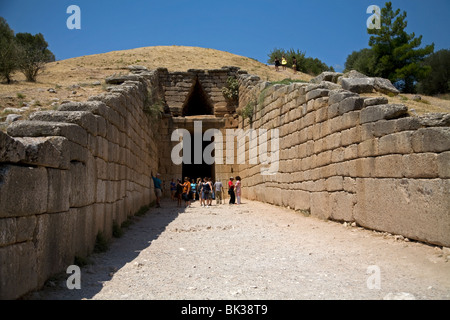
{"x": 238, "y": 189}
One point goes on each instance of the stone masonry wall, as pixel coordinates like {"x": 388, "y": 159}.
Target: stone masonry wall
{"x": 68, "y": 175}
{"x": 348, "y": 158}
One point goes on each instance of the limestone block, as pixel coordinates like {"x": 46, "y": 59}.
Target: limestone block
{"x": 25, "y": 228}
{"x": 361, "y": 167}
{"x": 84, "y": 119}
{"x": 435, "y": 120}
{"x": 17, "y": 261}
{"x": 384, "y": 111}
{"x": 58, "y": 190}
{"x": 333, "y": 110}
{"x": 320, "y": 205}
{"x": 342, "y": 205}
{"x": 77, "y": 152}
{"x": 395, "y": 143}
{"x": 83, "y": 183}
{"x": 351, "y": 152}
{"x": 23, "y": 190}
{"x": 335, "y": 183}
{"x": 46, "y": 151}
{"x": 375, "y": 101}
{"x": 368, "y": 148}
{"x": 11, "y": 150}
{"x": 8, "y": 228}
{"x": 443, "y": 162}
{"x": 300, "y": 200}
{"x": 385, "y": 86}
{"x": 407, "y": 124}
{"x": 350, "y": 119}
{"x": 54, "y": 243}
{"x": 390, "y": 166}
{"x": 358, "y": 85}
{"x": 431, "y": 140}
{"x": 337, "y": 96}
{"x": 350, "y": 104}
{"x": 384, "y": 127}
{"x": 71, "y": 131}
{"x": 414, "y": 208}
{"x": 350, "y": 136}
{"x": 84, "y": 232}
{"x": 421, "y": 165}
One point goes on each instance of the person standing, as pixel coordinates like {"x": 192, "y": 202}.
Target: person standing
{"x": 218, "y": 186}
{"x": 238, "y": 187}
{"x": 206, "y": 192}
{"x": 186, "y": 192}
{"x": 277, "y": 64}
{"x": 158, "y": 188}
{"x": 173, "y": 189}
{"x": 231, "y": 191}
{"x": 284, "y": 62}
{"x": 179, "y": 192}
{"x": 193, "y": 189}
{"x": 294, "y": 65}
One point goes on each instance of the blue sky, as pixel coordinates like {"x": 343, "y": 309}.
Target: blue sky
{"x": 326, "y": 29}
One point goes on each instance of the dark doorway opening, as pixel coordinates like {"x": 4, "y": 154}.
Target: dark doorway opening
{"x": 200, "y": 170}
{"x": 197, "y": 102}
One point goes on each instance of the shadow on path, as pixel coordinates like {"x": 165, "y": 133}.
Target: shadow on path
{"x": 102, "y": 266}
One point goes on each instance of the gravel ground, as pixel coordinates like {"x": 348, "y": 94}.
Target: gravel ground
{"x": 255, "y": 251}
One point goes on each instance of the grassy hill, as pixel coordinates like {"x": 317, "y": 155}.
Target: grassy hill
{"x": 78, "y": 78}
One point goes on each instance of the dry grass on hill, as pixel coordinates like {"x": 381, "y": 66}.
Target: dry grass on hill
{"x": 78, "y": 78}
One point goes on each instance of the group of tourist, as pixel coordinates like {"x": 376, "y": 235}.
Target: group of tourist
{"x": 203, "y": 190}
{"x": 284, "y": 63}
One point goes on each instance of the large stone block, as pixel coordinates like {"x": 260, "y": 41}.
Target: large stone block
{"x": 83, "y": 178}
{"x": 383, "y": 112}
{"x": 11, "y": 150}
{"x": 84, "y": 119}
{"x": 71, "y": 131}
{"x": 342, "y": 205}
{"x": 59, "y": 182}
{"x": 18, "y": 270}
{"x": 431, "y": 140}
{"x": 53, "y": 152}
{"x": 350, "y": 104}
{"x": 320, "y": 205}
{"x": 23, "y": 190}
{"x": 54, "y": 243}
{"x": 421, "y": 165}
{"x": 415, "y": 208}
{"x": 358, "y": 85}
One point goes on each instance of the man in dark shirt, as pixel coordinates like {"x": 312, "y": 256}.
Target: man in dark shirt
{"x": 158, "y": 188}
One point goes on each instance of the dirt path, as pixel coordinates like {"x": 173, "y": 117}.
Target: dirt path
{"x": 255, "y": 251}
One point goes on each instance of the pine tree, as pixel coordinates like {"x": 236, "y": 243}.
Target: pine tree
{"x": 8, "y": 51}
{"x": 398, "y": 54}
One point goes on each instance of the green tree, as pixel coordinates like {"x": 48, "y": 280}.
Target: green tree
{"x": 306, "y": 65}
{"x": 362, "y": 61}
{"x": 398, "y": 55}
{"x": 33, "y": 54}
{"x": 8, "y": 51}
{"x": 438, "y": 81}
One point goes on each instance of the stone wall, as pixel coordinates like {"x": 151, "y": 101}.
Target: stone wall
{"x": 348, "y": 158}
{"x": 68, "y": 175}
{"x": 177, "y": 88}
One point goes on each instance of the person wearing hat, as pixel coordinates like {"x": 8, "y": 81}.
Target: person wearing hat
{"x": 231, "y": 191}
{"x": 158, "y": 188}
